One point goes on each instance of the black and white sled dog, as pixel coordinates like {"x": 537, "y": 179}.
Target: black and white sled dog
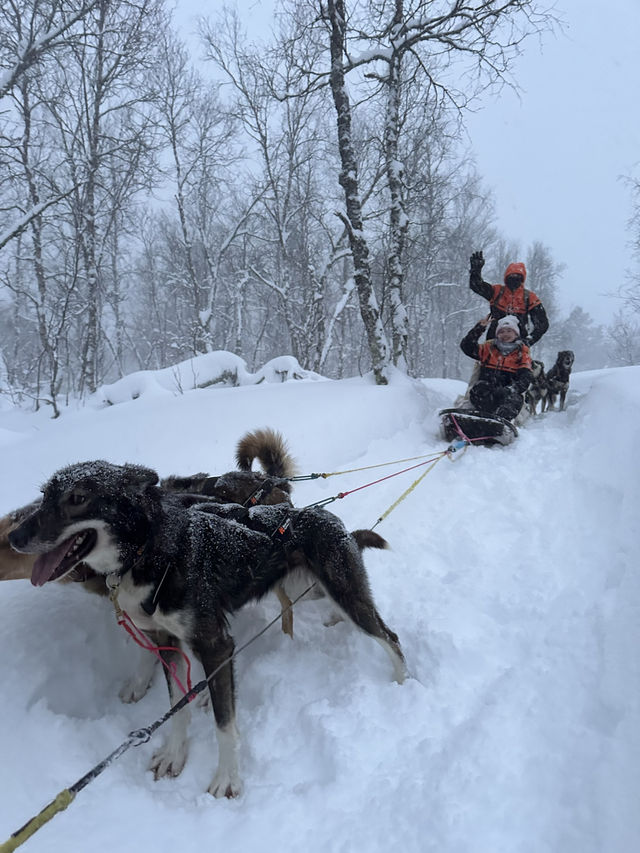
{"x": 269, "y": 486}
{"x": 180, "y": 572}
{"x": 537, "y": 390}
{"x": 558, "y": 379}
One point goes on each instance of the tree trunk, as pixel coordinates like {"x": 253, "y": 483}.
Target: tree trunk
{"x": 376, "y": 338}
{"x": 398, "y": 222}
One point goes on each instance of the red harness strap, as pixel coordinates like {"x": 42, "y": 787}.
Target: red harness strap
{"x": 145, "y": 643}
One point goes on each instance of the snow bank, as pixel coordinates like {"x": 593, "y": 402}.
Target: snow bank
{"x": 215, "y": 368}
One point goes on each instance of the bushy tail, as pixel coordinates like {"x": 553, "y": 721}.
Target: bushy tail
{"x": 270, "y": 448}
{"x": 369, "y": 539}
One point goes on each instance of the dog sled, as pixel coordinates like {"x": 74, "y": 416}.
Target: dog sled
{"x": 476, "y": 427}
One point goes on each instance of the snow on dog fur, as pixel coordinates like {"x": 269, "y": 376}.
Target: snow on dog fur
{"x": 181, "y": 571}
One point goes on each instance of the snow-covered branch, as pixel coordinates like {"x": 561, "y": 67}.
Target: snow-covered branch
{"x": 30, "y": 50}
{"x": 18, "y": 227}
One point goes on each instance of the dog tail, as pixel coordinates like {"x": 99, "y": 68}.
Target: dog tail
{"x": 369, "y": 539}
{"x": 194, "y": 483}
{"x": 270, "y": 448}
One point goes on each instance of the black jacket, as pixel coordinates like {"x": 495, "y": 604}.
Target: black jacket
{"x": 536, "y": 315}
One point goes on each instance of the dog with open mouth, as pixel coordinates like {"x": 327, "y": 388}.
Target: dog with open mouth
{"x": 269, "y": 486}
{"x": 181, "y": 572}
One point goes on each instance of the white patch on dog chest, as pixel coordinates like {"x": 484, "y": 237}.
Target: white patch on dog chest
{"x": 131, "y": 597}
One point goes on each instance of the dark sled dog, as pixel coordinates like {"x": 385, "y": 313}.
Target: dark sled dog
{"x": 244, "y": 485}
{"x": 558, "y": 379}
{"x": 270, "y": 486}
{"x": 537, "y": 390}
{"x": 180, "y": 572}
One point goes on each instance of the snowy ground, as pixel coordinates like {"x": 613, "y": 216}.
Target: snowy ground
{"x": 512, "y": 582}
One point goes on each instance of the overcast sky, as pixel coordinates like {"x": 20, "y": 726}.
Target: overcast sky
{"x": 556, "y": 154}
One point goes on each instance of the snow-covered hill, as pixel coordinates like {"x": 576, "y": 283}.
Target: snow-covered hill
{"x": 512, "y": 582}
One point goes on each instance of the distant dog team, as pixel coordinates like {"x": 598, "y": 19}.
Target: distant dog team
{"x": 546, "y": 388}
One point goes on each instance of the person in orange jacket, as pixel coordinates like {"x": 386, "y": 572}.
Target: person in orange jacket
{"x": 505, "y": 367}
{"x": 510, "y": 298}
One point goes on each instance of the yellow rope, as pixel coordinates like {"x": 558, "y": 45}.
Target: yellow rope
{"x": 60, "y": 803}
{"x": 408, "y": 491}
{"x": 369, "y": 467}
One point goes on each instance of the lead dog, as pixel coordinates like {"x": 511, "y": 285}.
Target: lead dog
{"x": 558, "y": 379}
{"x": 243, "y": 486}
{"x": 180, "y": 573}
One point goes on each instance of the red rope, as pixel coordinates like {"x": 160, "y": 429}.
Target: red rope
{"x": 144, "y": 642}
{"x": 389, "y": 476}
{"x": 465, "y": 437}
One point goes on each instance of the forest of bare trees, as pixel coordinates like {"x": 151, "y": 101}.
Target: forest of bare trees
{"x": 311, "y": 194}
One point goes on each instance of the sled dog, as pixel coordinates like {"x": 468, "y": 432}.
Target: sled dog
{"x": 180, "y": 572}
{"x": 266, "y": 445}
{"x": 558, "y": 379}
{"x": 14, "y": 566}
{"x": 245, "y": 485}
{"x": 269, "y": 486}
{"x": 537, "y": 390}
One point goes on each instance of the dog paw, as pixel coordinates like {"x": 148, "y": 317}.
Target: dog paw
{"x": 225, "y": 784}
{"x": 133, "y": 690}
{"x": 168, "y": 761}
{"x": 334, "y": 618}
{"x": 137, "y": 685}
{"x": 203, "y": 699}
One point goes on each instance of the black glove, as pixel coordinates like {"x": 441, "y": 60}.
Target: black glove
{"x": 476, "y": 262}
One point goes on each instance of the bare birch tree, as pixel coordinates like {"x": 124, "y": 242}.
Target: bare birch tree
{"x": 200, "y": 134}
{"x": 460, "y": 48}
{"x": 104, "y": 123}
{"x": 30, "y": 32}
{"x": 297, "y": 250}
{"x": 33, "y": 29}
{"x": 378, "y": 345}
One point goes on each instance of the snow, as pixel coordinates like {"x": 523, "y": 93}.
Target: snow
{"x": 511, "y": 580}
{"x": 218, "y": 367}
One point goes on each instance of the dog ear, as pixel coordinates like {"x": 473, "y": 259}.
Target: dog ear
{"x": 138, "y": 477}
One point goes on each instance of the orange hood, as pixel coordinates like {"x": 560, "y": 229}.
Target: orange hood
{"x": 516, "y": 269}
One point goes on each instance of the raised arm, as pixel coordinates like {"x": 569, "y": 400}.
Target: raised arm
{"x": 469, "y": 344}
{"x": 482, "y": 288}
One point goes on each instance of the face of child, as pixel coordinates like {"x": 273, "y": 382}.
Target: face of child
{"x": 506, "y": 335}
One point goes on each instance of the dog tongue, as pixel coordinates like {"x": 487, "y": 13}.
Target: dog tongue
{"x": 46, "y": 564}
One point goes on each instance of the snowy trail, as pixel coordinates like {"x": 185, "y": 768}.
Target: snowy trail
{"x": 511, "y": 582}
{"x": 540, "y": 602}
